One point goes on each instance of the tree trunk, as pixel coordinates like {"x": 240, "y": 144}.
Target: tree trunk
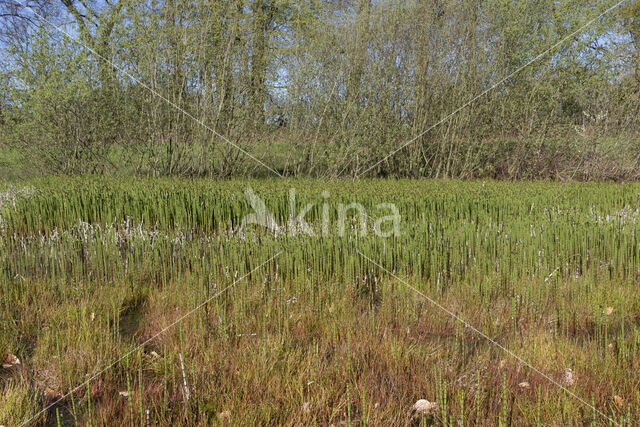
{"x": 428, "y": 12}
{"x": 360, "y": 52}
{"x": 262, "y": 16}
{"x": 224, "y": 66}
{"x": 101, "y": 41}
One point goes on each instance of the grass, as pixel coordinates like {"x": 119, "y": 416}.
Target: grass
{"x": 12, "y": 164}
{"x": 91, "y": 268}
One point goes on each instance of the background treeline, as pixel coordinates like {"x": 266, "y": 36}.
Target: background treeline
{"x": 320, "y": 88}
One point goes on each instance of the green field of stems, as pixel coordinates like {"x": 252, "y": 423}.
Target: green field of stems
{"x": 505, "y": 303}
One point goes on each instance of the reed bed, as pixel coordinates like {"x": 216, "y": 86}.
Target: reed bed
{"x": 93, "y": 267}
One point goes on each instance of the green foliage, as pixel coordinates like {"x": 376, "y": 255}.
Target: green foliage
{"x": 93, "y": 267}
{"x": 342, "y": 84}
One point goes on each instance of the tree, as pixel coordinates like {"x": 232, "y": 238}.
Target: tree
{"x": 631, "y": 23}
{"x": 263, "y": 12}
{"x": 359, "y": 56}
{"x": 95, "y": 26}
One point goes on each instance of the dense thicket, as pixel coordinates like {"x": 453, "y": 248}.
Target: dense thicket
{"x": 322, "y": 87}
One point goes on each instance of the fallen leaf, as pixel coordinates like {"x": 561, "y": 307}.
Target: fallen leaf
{"x": 619, "y": 401}
{"x": 306, "y": 408}
{"x": 424, "y": 407}
{"x": 10, "y": 361}
{"x": 608, "y": 311}
{"x": 568, "y": 377}
{"x": 524, "y": 385}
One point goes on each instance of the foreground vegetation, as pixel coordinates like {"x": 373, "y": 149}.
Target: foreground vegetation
{"x": 319, "y": 334}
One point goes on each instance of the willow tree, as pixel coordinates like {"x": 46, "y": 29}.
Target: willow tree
{"x": 95, "y": 26}
{"x": 360, "y": 54}
{"x": 263, "y": 12}
{"x": 224, "y": 38}
{"x": 631, "y": 23}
